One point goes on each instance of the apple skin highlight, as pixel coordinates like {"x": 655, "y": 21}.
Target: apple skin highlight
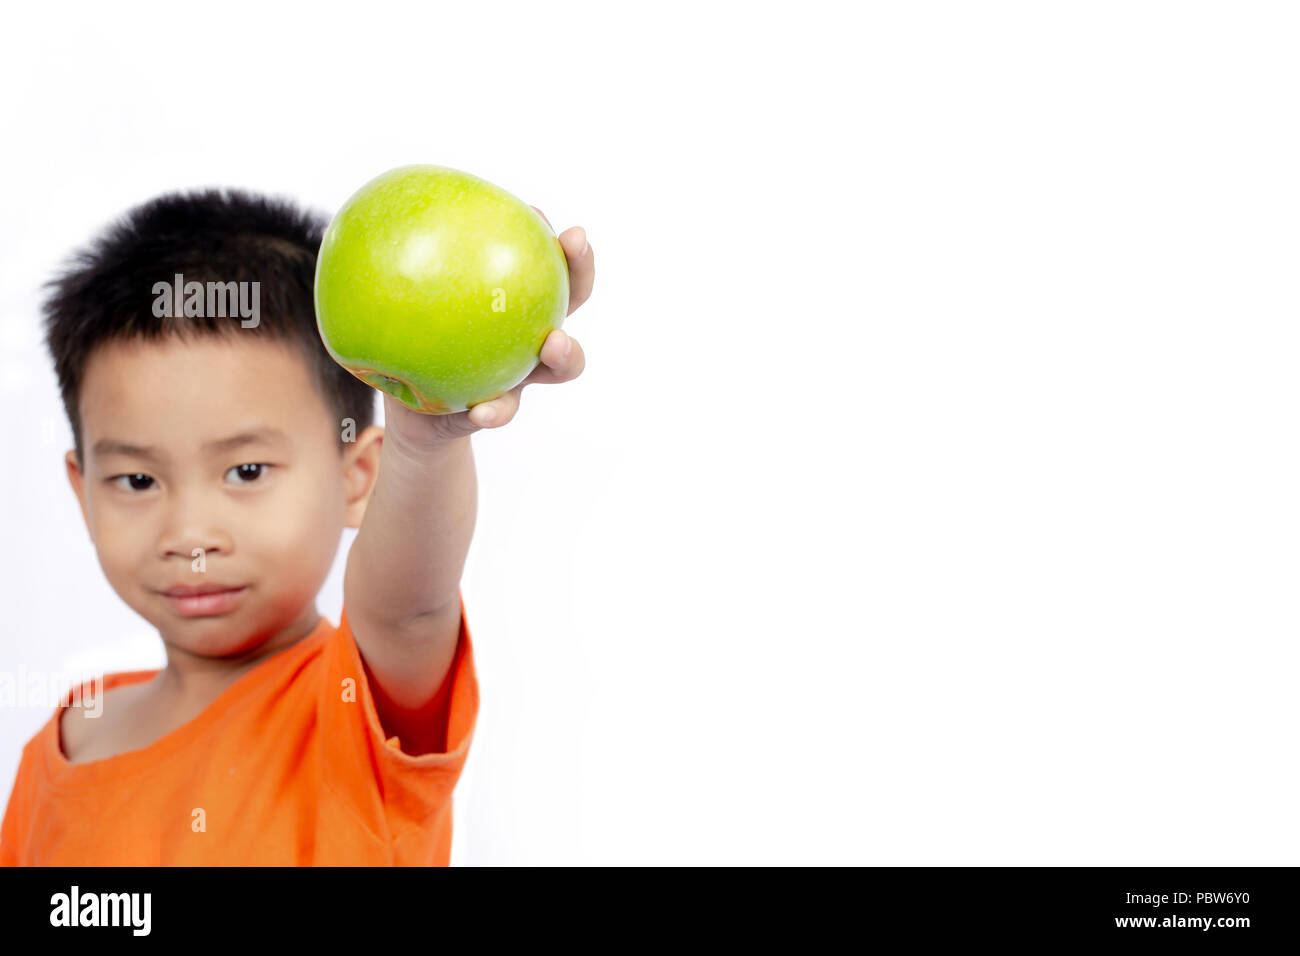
{"x": 438, "y": 287}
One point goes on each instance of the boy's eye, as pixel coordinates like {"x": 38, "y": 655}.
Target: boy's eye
{"x": 246, "y": 474}
{"x": 135, "y": 482}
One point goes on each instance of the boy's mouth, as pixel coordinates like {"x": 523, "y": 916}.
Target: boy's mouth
{"x": 203, "y": 600}
{"x": 188, "y": 590}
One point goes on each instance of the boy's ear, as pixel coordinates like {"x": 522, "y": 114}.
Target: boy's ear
{"x": 78, "y": 482}
{"x": 360, "y": 470}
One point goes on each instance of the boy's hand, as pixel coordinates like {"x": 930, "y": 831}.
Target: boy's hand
{"x": 562, "y": 360}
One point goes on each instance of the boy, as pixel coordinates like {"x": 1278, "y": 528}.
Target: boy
{"x": 216, "y": 462}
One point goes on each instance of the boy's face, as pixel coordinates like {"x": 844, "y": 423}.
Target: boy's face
{"x": 188, "y": 506}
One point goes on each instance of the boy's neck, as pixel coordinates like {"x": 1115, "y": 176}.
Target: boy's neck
{"x": 193, "y": 676}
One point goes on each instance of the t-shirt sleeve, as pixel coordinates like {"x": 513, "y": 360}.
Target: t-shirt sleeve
{"x": 410, "y": 792}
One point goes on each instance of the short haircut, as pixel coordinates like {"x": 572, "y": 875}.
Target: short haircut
{"x": 106, "y": 292}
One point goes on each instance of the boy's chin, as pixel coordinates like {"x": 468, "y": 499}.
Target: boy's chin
{"x": 216, "y": 637}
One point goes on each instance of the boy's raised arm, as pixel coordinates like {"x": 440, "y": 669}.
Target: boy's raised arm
{"x": 401, "y": 588}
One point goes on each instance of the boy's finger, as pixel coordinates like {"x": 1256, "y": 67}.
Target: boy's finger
{"x": 556, "y": 349}
{"x": 497, "y": 412}
{"x": 581, "y": 261}
{"x": 582, "y": 265}
{"x": 556, "y": 366}
{"x": 566, "y": 359}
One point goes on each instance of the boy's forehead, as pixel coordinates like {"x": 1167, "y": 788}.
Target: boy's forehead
{"x": 195, "y": 389}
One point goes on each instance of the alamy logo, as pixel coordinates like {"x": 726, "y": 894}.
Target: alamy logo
{"x": 102, "y": 909}
{"x": 209, "y": 300}
{"x": 39, "y": 688}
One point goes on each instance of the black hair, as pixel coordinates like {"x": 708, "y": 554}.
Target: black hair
{"x": 107, "y": 291}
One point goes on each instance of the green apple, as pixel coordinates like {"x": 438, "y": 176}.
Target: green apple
{"x": 438, "y": 287}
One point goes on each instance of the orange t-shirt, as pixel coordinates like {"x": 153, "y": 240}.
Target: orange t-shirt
{"x": 280, "y": 770}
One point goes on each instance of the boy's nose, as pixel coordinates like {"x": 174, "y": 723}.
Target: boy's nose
{"x": 193, "y": 549}
{"x": 194, "y": 540}
{"x": 191, "y": 528}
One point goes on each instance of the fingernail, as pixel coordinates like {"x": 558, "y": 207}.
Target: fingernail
{"x": 585, "y": 244}
{"x": 568, "y": 344}
{"x": 485, "y": 417}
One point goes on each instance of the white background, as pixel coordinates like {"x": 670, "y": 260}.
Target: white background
{"x": 930, "y": 496}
